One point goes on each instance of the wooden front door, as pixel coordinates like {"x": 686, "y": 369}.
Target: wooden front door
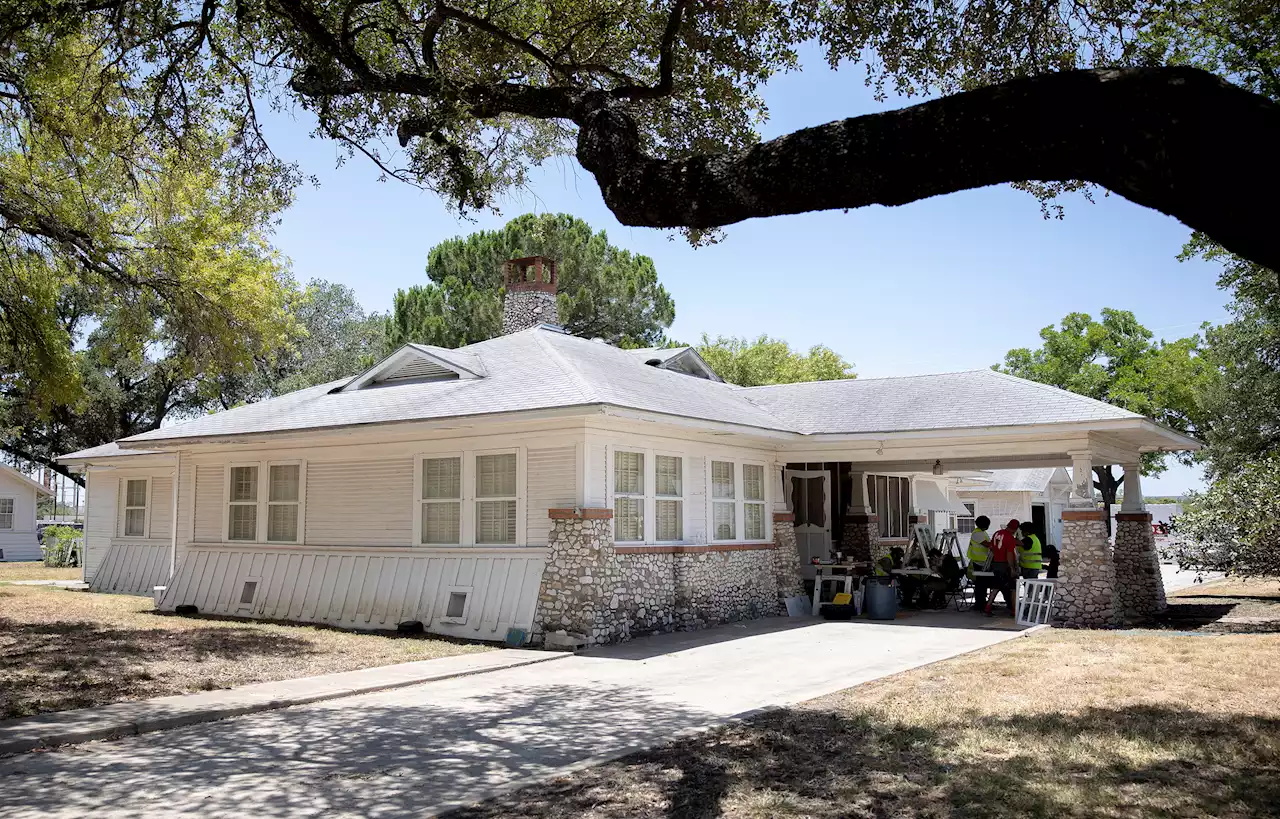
{"x": 809, "y": 498}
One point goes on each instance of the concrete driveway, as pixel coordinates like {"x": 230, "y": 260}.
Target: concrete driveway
{"x": 414, "y": 751}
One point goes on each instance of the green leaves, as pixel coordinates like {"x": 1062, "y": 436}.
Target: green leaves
{"x": 604, "y": 291}
{"x": 771, "y": 361}
{"x": 1234, "y": 527}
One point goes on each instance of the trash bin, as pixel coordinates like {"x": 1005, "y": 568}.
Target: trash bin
{"x": 881, "y": 602}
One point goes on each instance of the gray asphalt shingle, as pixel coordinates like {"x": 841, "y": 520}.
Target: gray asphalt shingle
{"x": 543, "y": 369}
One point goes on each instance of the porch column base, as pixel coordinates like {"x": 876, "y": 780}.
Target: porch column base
{"x": 786, "y": 559}
{"x": 861, "y": 537}
{"x": 581, "y": 578}
{"x": 1085, "y": 594}
{"x": 1139, "y": 585}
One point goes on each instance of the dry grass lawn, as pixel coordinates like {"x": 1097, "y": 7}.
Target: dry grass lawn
{"x": 1123, "y": 724}
{"x": 35, "y": 570}
{"x": 61, "y": 649}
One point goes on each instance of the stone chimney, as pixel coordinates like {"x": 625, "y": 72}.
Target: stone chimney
{"x": 531, "y": 294}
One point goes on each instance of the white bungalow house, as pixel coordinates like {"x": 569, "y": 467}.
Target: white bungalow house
{"x": 1036, "y": 496}
{"x": 542, "y": 482}
{"x": 19, "y": 496}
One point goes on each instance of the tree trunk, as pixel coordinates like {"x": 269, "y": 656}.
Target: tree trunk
{"x": 1178, "y": 140}
{"x": 1107, "y": 484}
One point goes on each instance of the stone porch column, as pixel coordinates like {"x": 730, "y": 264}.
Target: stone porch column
{"x": 582, "y": 579}
{"x": 1139, "y": 584}
{"x": 786, "y": 559}
{"x": 1086, "y": 589}
{"x": 861, "y": 536}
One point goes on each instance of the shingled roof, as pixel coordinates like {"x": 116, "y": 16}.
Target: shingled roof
{"x": 541, "y": 368}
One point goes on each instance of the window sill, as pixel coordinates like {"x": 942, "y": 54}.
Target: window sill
{"x": 684, "y": 549}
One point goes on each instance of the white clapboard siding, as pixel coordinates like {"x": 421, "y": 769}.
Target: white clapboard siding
{"x": 363, "y": 587}
{"x": 596, "y": 472}
{"x": 695, "y": 494}
{"x": 132, "y": 567}
{"x": 186, "y": 486}
{"x": 99, "y": 519}
{"x": 161, "y": 508}
{"x": 210, "y": 493}
{"x": 553, "y": 477}
{"x": 360, "y": 502}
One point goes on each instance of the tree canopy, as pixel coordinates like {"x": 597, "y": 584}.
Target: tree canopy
{"x": 768, "y": 360}
{"x": 1117, "y": 361}
{"x": 604, "y": 291}
{"x": 660, "y": 100}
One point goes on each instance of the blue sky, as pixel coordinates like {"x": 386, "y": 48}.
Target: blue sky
{"x": 946, "y": 284}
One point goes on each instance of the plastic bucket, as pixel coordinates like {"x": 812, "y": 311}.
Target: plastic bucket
{"x": 881, "y": 602}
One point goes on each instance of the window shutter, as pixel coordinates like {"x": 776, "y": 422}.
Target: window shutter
{"x": 668, "y": 476}
{"x": 628, "y": 473}
{"x": 496, "y": 475}
{"x": 284, "y": 483}
{"x": 722, "y": 479}
{"x": 753, "y": 482}
{"x": 441, "y": 478}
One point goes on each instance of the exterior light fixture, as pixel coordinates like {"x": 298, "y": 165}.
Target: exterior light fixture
{"x": 937, "y": 467}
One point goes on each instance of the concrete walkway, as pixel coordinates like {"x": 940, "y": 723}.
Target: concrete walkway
{"x": 163, "y": 713}
{"x": 415, "y": 751}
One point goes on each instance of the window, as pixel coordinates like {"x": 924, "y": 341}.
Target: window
{"x": 669, "y": 491}
{"x": 441, "y": 501}
{"x": 628, "y": 496}
{"x": 242, "y": 514}
{"x": 964, "y": 524}
{"x": 496, "y": 498}
{"x": 283, "y": 497}
{"x": 135, "y": 508}
{"x": 891, "y": 499}
{"x": 6, "y": 513}
{"x": 753, "y": 501}
{"x": 723, "y": 505}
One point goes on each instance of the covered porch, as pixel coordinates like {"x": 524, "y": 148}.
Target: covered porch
{"x": 861, "y": 496}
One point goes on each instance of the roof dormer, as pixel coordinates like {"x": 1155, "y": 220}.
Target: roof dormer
{"x": 418, "y": 363}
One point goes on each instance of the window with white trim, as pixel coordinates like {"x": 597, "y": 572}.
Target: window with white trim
{"x": 135, "y": 507}
{"x": 6, "y": 513}
{"x": 964, "y": 523}
{"x": 496, "y": 498}
{"x": 628, "y": 496}
{"x": 724, "y": 506}
{"x": 668, "y": 493}
{"x": 441, "y": 501}
{"x": 242, "y": 500}
{"x": 284, "y": 496}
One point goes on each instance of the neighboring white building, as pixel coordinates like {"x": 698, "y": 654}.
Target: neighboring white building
{"x": 542, "y": 481}
{"x": 19, "y": 496}
{"x": 1035, "y": 496}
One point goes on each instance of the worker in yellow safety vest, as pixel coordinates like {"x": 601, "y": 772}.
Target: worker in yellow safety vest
{"x": 979, "y": 559}
{"x": 1029, "y": 559}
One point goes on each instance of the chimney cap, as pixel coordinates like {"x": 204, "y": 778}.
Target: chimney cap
{"x": 537, "y": 273}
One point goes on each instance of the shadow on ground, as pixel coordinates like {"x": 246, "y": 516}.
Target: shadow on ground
{"x": 1218, "y": 614}
{"x": 395, "y": 754}
{"x": 1130, "y": 762}
{"x": 78, "y": 664}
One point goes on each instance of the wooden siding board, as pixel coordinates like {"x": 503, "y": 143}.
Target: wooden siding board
{"x": 552, "y": 480}
{"x": 209, "y": 497}
{"x": 360, "y": 503}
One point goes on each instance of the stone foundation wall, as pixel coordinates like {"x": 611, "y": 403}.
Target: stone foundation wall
{"x": 591, "y": 589}
{"x": 1139, "y": 585}
{"x": 1085, "y": 592}
{"x": 861, "y": 537}
{"x": 723, "y": 587}
{"x": 522, "y": 309}
{"x": 786, "y": 559}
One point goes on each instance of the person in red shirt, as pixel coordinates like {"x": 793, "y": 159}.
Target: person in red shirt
{"x": 1004, "y": 564}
